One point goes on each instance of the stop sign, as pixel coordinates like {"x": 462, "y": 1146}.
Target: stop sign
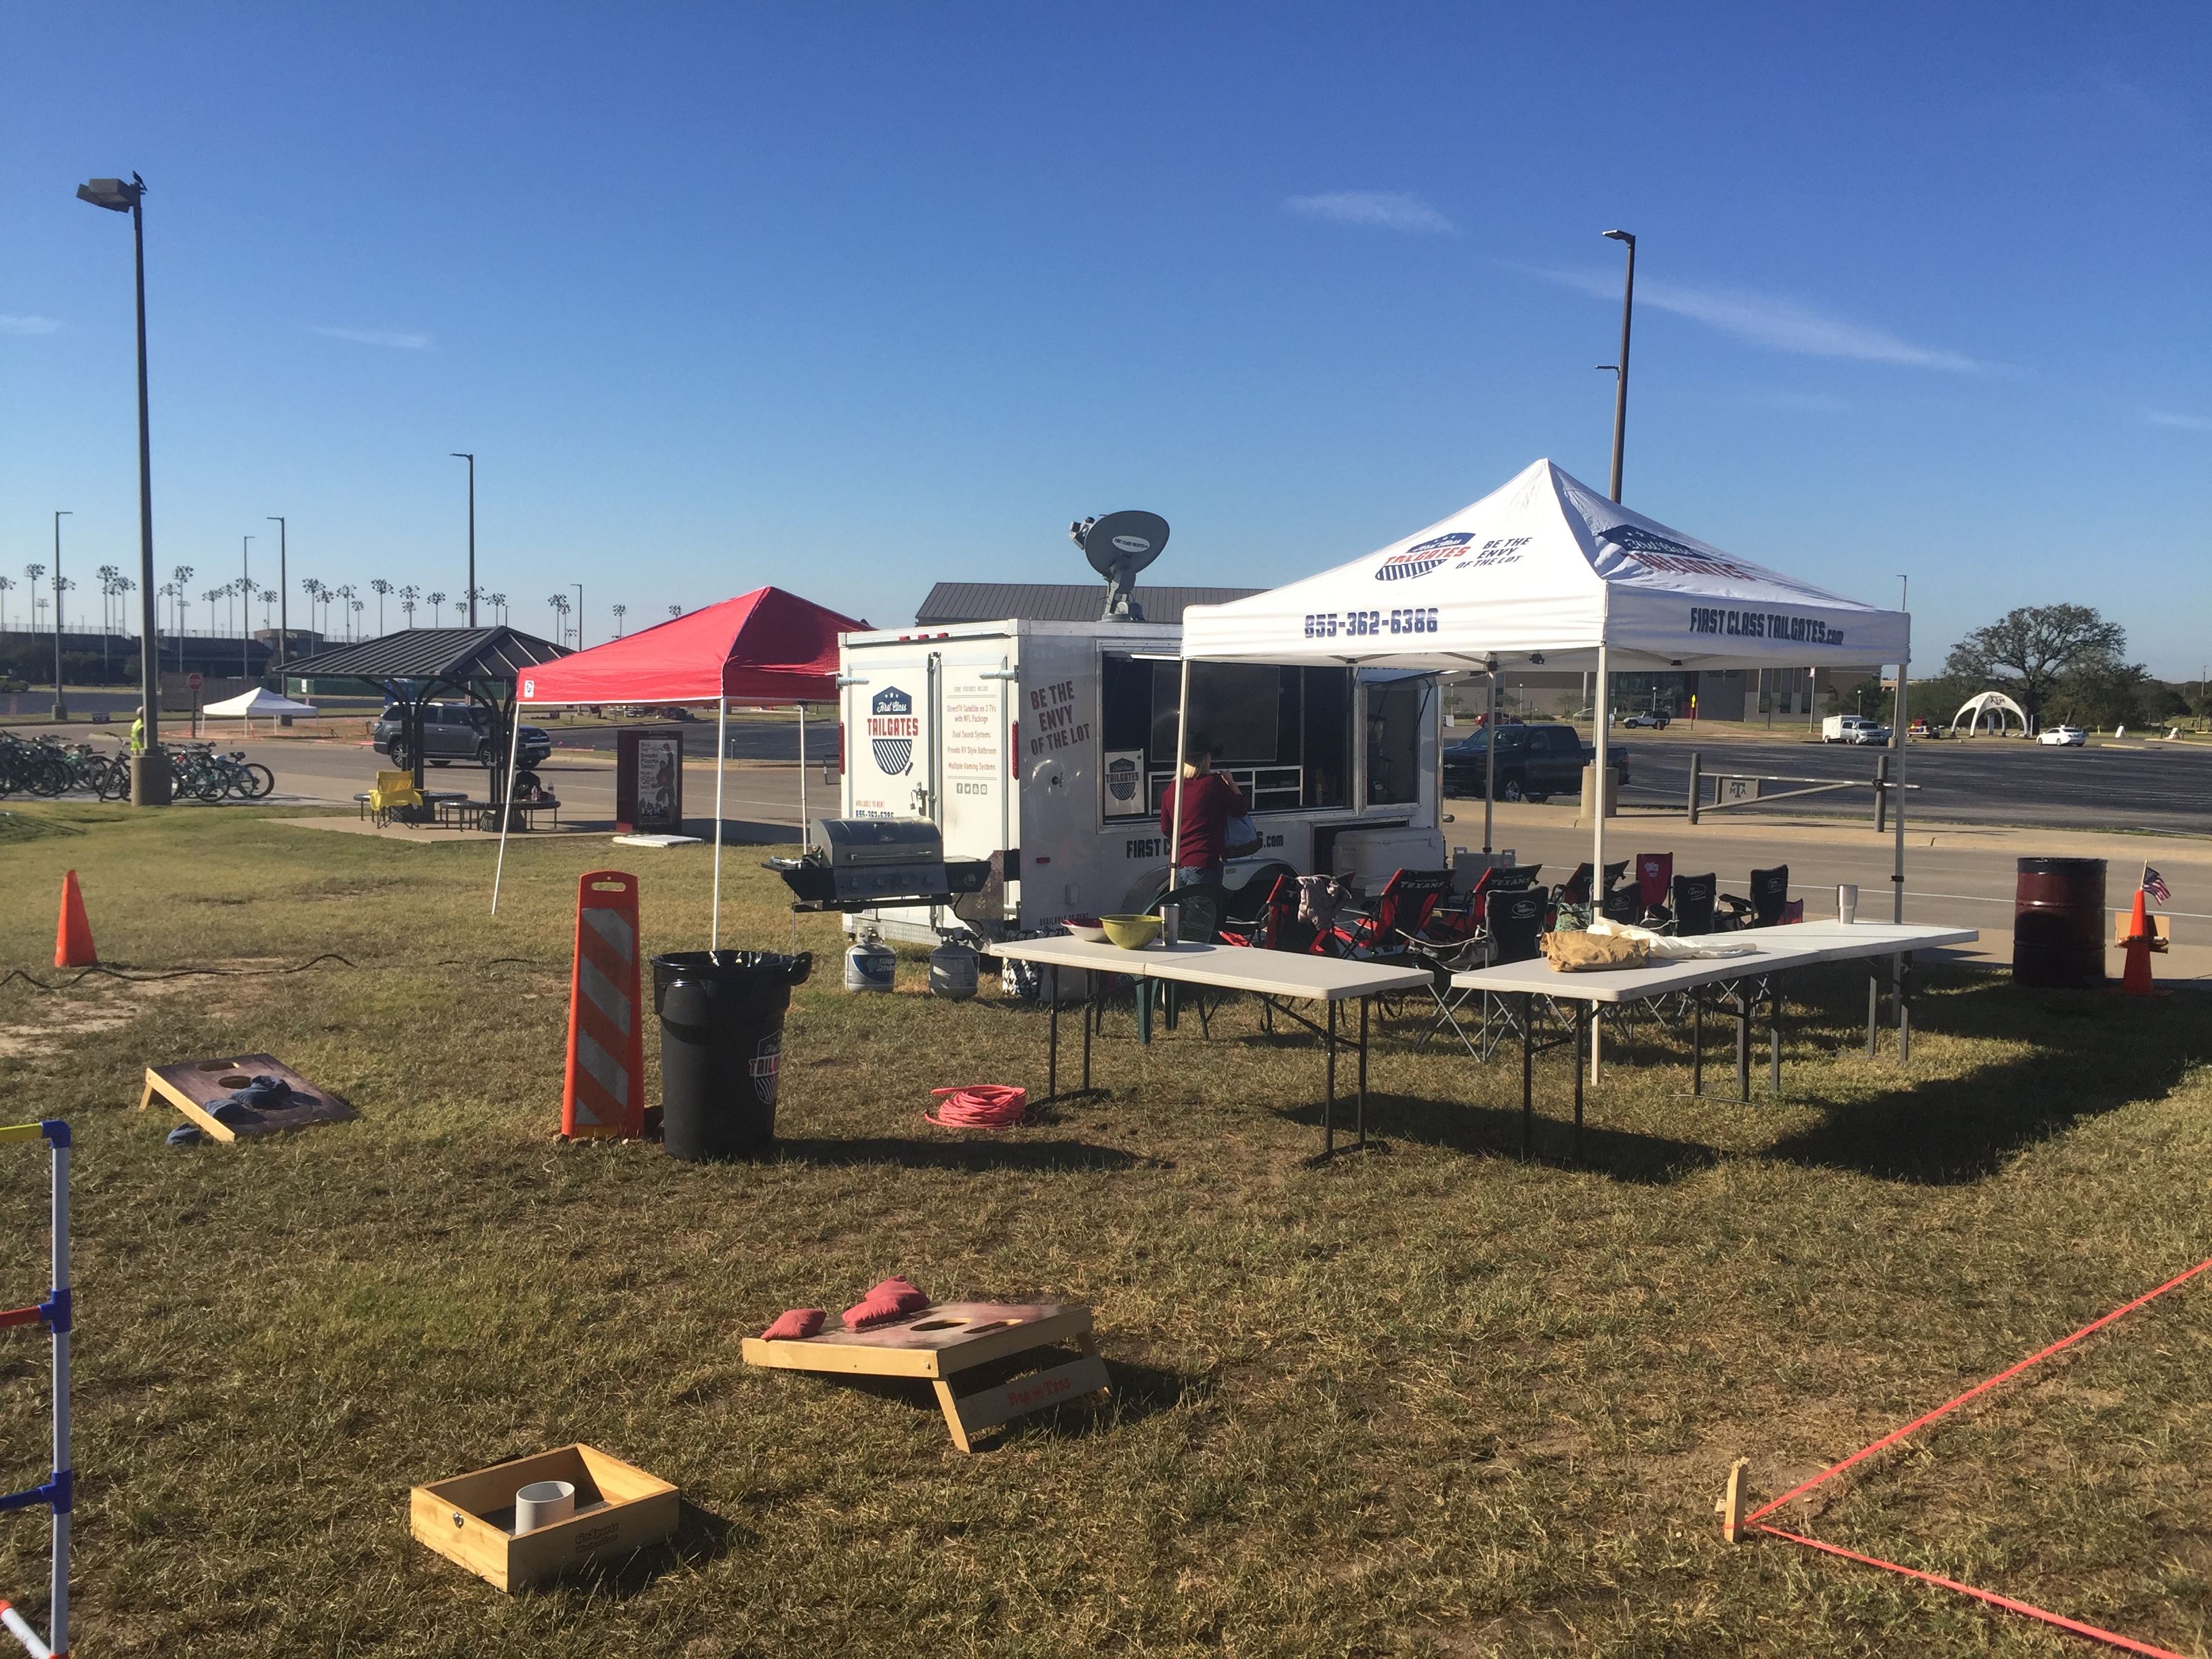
{"x": 193, "y": 682}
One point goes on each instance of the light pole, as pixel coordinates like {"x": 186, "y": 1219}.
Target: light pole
{"x": 283, "y": 599}
{"x": 462, "y": 455}
{"x": 245, "y": 588}
{"x": 378, "y": 586}
{"x": 180, "y": 608}
{"x": 61, "y": 705}
{"x": 578, "y": 586}
{"x": 620, "y": 610}
{"x": 150, "y": 769}
{"x": 1621, "y": 369}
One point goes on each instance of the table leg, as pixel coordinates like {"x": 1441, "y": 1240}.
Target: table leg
{"x": 1903, "y": 996}
{"x": 1582, "y": 1010}
{"x": 1052, "y": 1043}
{"x": 1090, "y": 1012}
{"x": 1329, "y": 1100}
{"x": 1742, "y": 1045}
{"x": 1874, "y": 1007}
{"x": 1697, "y": 1043}
{"x": 1774, "y": 1035}
{"x": 1362, "y": 1119}
{"x": 1529, "y": 1075}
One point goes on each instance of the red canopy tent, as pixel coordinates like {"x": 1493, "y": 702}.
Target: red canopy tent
{"x": 767, "y": 646}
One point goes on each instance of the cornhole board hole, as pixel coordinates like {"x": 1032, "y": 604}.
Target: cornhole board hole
{"x": 189, "y": 1084}
{"x": 470, "y": 1519}
{"x": 948, "y": 1338}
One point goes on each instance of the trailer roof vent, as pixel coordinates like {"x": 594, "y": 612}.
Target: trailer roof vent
{"x": 1118, "y": 546}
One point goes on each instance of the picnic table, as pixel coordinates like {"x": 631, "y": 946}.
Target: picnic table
{"x": 1742, "y": 980}
{"x": 1277, "y": 977}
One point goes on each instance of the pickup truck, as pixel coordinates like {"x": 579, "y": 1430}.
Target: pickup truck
{"x": 1534, "y": 761}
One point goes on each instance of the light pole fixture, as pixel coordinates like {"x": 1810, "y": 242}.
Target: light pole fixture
{"x": 150, "y": 769}
{"x": 578, "y": 586}
{"x": 1621, "y": 369}
{"x": 61, "y": 705}
{"x": 462, "y": 455}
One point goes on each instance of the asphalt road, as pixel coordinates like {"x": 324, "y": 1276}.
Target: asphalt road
{"x": 2120, "y": 786}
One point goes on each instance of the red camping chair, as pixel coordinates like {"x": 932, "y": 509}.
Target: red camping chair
{"x": 1401, "y": 911}
{"x": 1274, "y": 926}
{"x": 1655, "y": 874}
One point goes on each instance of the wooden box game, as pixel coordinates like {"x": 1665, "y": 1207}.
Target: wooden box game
{"x": 189, "y": 1084}
{"x": 470, "y": 1518}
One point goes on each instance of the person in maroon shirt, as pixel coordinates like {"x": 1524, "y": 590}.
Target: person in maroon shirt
{"x": 1209, "y": 802}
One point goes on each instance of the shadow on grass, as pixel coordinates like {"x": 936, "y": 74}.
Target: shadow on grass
{"x": 700, "y": 1536}
{"x": 1138, "y": 1392}
{"x": 2092, "y": 1054}
{"x": 973, "y": 1156}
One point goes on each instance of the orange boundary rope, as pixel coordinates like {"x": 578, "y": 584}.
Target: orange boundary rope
{"x": 1890, "y": 1439}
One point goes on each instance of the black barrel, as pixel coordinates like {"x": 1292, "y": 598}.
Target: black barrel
{"x": 721, "y": 1045}
{"x": 2058, "y": 923}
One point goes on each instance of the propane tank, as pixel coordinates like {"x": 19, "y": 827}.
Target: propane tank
{"x": 870, "y": 965}
{"x": 952, "y": 970}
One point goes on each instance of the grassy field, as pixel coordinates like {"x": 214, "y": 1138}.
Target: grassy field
{"x": 1432, "y": 1402}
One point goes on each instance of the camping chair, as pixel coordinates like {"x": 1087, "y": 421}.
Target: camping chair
{"x": 1694, "y": 899}
{"x": 1271, "y": 928}
{"x": 393, "y": 791}
{"x": 1203, "y": 904}
{"x": 1655, "y": 873}
{"x": 1509, "y": 923}
{"x": 1402, "y": 911}
{"x": 1770, "y": 894}
{"x": 1515, "y": 925}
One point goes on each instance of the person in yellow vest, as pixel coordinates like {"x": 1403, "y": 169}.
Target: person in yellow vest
{"x": 139, "y": 731}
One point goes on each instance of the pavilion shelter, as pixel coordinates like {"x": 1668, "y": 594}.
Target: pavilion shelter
{"x": 418, "y": 666}
{"x": 765, "y": 647}
{"x": 1548, "y": 571}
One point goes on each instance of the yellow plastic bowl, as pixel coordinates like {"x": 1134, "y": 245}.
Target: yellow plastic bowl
{"x": 1131, "y": 932}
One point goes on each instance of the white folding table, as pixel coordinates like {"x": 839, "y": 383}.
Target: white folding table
{"x": 1775, "y": 951}
{"x": 1277, "y": 976}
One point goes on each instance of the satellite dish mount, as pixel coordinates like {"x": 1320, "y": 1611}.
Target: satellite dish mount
{"x": 1118, "y": 546}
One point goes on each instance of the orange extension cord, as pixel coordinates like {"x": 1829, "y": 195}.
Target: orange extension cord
{"x": 1755, "y": 1519}
{"x": 980, "y": 1106}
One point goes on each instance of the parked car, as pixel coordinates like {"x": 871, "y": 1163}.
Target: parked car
{"x": 1534, "y": 761}
{"x": 1656, "y": 719}
{"x": 1855, "y": 729}
{"x": 2067, "y": 737}
{"x": 456, "y": 731}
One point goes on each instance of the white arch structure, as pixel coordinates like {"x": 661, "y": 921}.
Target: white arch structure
{"x": 1989, "y": 703}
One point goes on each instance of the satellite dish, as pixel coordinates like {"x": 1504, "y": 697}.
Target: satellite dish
{"x": 1118, "y": 546}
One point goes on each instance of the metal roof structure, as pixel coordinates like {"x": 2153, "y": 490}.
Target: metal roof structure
{"x": 965, "y": 602}
{"x": 452, "y": 656}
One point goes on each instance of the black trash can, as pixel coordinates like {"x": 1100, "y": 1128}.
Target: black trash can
{"x": 2058, "y": 923}
{"x": 721, "y": 1045}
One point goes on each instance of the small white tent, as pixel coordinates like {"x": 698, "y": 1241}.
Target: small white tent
{"x": 259, "y": 701}
{"x": 1546, "y": 571}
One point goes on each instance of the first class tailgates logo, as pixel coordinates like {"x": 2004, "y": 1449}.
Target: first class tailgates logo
{"x": 1418, "y": 561}
{"x": 892, "y": 729}
{"x": 1657, "y": 553}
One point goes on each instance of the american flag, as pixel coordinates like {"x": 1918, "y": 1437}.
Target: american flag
{"x": 2154, "y": 884}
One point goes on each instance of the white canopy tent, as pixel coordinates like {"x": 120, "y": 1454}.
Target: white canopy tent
{"x": 259, "y": 701}
{"x": 1547, "y": 572}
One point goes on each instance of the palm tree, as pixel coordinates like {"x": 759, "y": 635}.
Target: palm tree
{"x": 559, "y": 604}
{"x": 437, "y": 609}
{"x": 499, "y": 604}
{"x": 620, "y": 610}
{"x": 378, "y": 586}
{"x": 347, "y": 593}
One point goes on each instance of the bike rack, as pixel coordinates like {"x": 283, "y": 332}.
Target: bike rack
{"x": 54, "y": 1315}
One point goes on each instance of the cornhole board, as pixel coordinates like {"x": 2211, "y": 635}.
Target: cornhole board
{"x": 470, "y": 1519}
{"x": 189, "y": 1084}
{"x": 947, "y": 1337}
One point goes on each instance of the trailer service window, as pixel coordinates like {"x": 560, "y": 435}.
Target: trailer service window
{"x": 1284, "y": 735}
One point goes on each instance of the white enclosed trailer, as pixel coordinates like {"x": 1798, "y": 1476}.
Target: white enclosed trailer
{"x": 1047, "y": 747}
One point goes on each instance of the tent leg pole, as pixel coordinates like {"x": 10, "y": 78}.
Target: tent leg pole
{"x": 1489, "y": 763}
{"x": 721, "y": 749}
{"x": 1600, "y": 719}
{"x": 507, "y": 803}
{"x": 1897, "y": 773}
{"x": 1174, "y": 783}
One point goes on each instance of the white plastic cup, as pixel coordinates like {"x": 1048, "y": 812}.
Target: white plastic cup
{"x": 1847, "y": 902}
{"x": 541, "y": 1504}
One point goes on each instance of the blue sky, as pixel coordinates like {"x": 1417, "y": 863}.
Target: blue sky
{"x": 855, "y": 299}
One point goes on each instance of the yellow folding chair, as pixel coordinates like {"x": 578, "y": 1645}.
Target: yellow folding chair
{"x": 393, "y": 790}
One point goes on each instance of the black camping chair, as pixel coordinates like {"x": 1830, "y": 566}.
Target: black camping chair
{"x": 1694, "y": 898}
{"x": 1770, "y": 895}
{"x": 1203, "y": 906}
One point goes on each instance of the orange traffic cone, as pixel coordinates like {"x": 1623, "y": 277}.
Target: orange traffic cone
{"x": 73, "y": 947}
{"x": 2135, "y": 980}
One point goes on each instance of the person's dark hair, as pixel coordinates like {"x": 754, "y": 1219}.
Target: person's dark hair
{"x": 1197, "y": 743}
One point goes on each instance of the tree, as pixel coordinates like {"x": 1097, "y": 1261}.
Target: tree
{"x": 2027, "y": 653}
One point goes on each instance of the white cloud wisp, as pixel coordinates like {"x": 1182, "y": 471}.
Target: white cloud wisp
{"x": 1777, "y": 324}
{"x": 400, "y": 338}
{"x": 27, "y": 325}
{"x": 1383, "y": 209}
{"x": 2166, "y": 418}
